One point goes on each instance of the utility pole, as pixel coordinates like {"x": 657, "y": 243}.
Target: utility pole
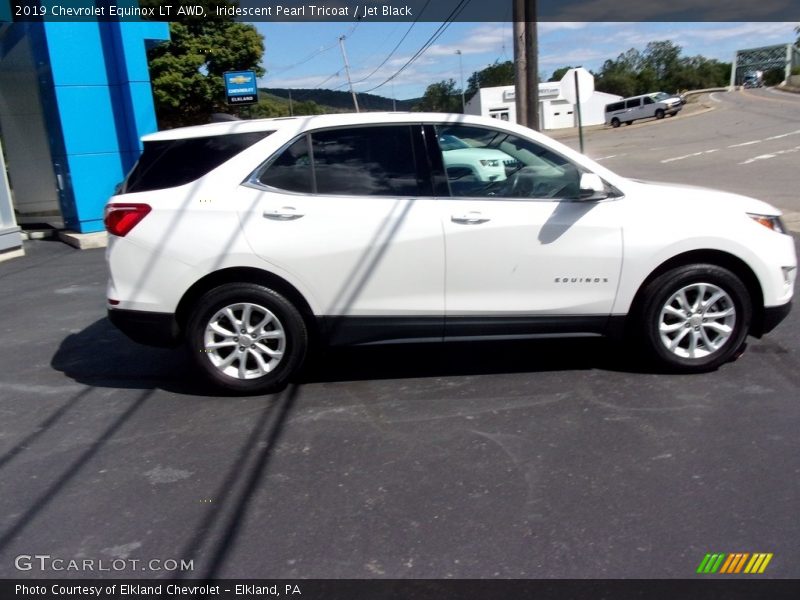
{"x": 520, "y": 64}
{"x": 291, "y": 109}
{"x": 347, "y": 70}
{"x": 461, "y": 71}
{"x": 526, "y": 70}
{"x": 532, "y": 62}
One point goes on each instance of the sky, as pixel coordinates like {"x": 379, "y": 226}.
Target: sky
{"x": 308, "y": 55}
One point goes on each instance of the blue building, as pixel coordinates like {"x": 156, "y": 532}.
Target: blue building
{"x": 74, "y": 100}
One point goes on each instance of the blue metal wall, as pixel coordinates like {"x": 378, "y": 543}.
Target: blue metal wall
{"x": 97, "y": 102}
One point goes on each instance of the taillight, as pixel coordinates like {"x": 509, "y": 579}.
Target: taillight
{"x": 121, "y": 218}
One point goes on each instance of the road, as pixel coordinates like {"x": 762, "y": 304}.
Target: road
{"x": 749, "y": 143}
{"x": 551, "y": 459}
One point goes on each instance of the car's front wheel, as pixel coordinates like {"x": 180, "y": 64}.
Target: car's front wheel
{"x": 247, "y": 338}
{"x": 695, "y": 317}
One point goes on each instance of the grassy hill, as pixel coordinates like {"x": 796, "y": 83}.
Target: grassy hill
{"x": 338, "y": 101}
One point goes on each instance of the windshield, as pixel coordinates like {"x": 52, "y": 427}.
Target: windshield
{"x": 659, "y": 96}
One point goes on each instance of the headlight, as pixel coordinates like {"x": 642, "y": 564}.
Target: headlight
{"x": 491, "y": 163}
{"x": 768, "y": 221}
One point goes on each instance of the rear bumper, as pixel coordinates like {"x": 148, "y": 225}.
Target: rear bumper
{"x": 149, "y": 328}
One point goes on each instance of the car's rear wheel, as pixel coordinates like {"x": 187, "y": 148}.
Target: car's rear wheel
{"x": 695, "y": 317}
{"x": 247, "y": 338}
{"x": 615, "y": 122}
{"x": 659, "y": 114}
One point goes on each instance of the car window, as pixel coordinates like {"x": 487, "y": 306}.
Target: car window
{"x": 615, "y": 106}
{"x": 291, "y": 171}
{"x": 649, "y": 100}
{"x": 170, "y": 163}
{"x": 370, "y": 161}
{"x": 497, "y": 164}
{"x": 633, "y": 103}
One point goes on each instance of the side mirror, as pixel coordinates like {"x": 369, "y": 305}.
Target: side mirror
{"x": 592, "y": 187}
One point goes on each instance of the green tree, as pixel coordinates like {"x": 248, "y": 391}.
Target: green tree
{"x": 662, "y": 58}
{"x": 620, "y": 76}
{"x": 441, "y": 97}
{"x": 496, "y": 74}
{"x": 659, "y": 68}
{"x": 186, "y": 72}
{"x": 268, "y": 108}
{"x": 559, "y": 73}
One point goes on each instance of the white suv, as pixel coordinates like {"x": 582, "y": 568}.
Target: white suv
{"x": 248, "y": 239}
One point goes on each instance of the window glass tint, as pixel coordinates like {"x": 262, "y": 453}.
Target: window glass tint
{"x": 494, "y": 163}
{"x": 371, "y": 161}
{"x": 649, "y": 100}
{"x": 170, "y": 163}
{"x": 615, "y": 106}
{"x": 633, "y": 103}
{"x": 291, "y": 171}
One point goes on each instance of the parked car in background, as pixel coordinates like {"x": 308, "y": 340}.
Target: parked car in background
{"x": 248, "y": 241}
{"x": 469, "y": 163}
{"x": 646, "y": 106}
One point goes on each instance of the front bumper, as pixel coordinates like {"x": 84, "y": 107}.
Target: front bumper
{"x": 773, "y": 315}
{"x": 149, "y": 328}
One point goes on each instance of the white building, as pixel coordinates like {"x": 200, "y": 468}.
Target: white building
{"x": 557, "y": 102}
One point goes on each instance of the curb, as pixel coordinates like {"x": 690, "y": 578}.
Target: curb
{"x": 13, "y": 253}
{"x": 84, "y": 241}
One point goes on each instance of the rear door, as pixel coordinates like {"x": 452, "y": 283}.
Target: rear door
{"x": 348, "y": 214}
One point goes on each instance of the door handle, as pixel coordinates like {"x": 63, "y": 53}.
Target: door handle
{"x": 471, "y": 218}
{"x": 284, "y": 213}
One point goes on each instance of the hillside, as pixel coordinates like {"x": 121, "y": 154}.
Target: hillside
{"x": 339, "y": 100}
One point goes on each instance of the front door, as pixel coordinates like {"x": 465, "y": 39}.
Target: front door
{"x": 520, "y": 245}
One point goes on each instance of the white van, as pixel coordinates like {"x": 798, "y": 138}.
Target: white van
{"x": 645, "y": 106}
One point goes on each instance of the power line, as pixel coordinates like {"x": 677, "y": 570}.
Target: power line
{"x": 431, "y": 40}
{"x": 385, "y": 60}
{"x": 305, "y": 60}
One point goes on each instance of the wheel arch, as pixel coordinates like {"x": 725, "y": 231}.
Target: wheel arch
{"x": 715, "y": 257}
{"x": 244, "y": 275}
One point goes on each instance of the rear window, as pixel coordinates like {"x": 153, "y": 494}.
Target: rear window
{"x": 170, "y": 163}
{"x": 615, "y": 106}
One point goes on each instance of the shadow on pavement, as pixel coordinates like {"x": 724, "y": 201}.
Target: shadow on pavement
{"x": 102, "y": 356}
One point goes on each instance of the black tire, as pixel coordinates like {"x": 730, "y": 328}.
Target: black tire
{"x": 659, "y": 114}
{"x": 712, "y": 346}
{"x": 281, "y": 339}
{"x": 615, "y": 122}
{"x": 628, "y": 123}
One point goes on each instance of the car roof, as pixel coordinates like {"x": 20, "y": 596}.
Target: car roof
{"x": 312, "y": 122}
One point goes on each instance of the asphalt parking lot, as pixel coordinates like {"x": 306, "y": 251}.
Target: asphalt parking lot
{"x": 545, "y": 459}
